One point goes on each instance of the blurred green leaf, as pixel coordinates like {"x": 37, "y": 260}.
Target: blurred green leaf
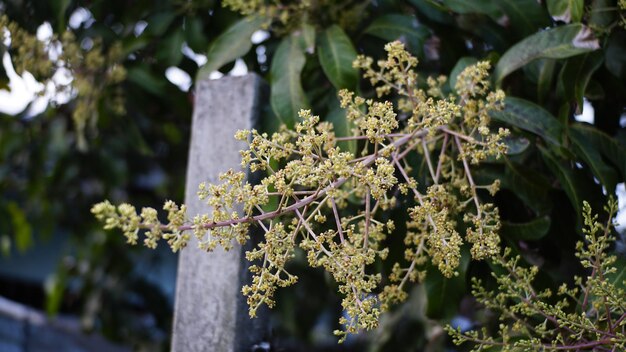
{"x": 231, "y": 44}
{"x": 159, "y": 22}
{"x": 405, "y": 28}
{"x": 566, "y": 10}
{"x": 141, "y": 76}
{"x": 194, "y": 34}
{"x": 587, "y": 151}
{"x": 170, "y": 51}
{"x": 433, "y": 10}
{"x": 308, "y": 32}
{"x": 22, "y": 232}
{"x": 531, "y": 231}
{"x": 530, "y": 117}
{"x": 608, "y": 146}
{"x": 570, "y": 181}
{"x": 5, "y": 245}
{"x": 444, "y": 294}
{"x": 527, "y": 185}
{"x": 524, "y": 17}
{"x": 60, "y": 8}
{"x": 516, "y": 145}
{"x": 601, "y": 18}
{"x": 576, "y": 74}
{"x": 336, "y": 54}
{"x": 615, "y": 54}
{"x": 463, "y": 63}
{"x": 343, "y": 127}
{"x": 555, "y": 43}
{"x": 287, "y": 95}
{"x": 485, "y": 7}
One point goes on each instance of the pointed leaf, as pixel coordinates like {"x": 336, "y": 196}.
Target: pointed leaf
{"x": 576, "y": 75}
{"x": 233, "y": 43}
{"x": 608, "y": 146}
{"x": 461, "y": 65}
{"x": 343, "y": 128}
{"x": 485, "y": 7}
{"x": 589, "y": 152}
{"x": 556, "y": 43}
{"x": 22, "y": 232}
{"x": 336, "y": 55}
{"x": 444, "y": 294}
{"x": 530, "y": 117}
{"x": 287, "y": 95}
{"x": 566, "y": 10}
{"x": 532, "y": 230}
{"x": 524, "y": 17}
{"x": 405, "y": 28}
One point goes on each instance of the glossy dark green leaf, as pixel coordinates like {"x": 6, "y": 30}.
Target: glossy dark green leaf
{"x": 516, "y": 145}
{"x": 556, "y": 43}
{"x": 231, "y": 44}
{"x": 594, "y": 147}
{"x": 22, "y": 232}
{"x": 570, "y": 181}
{"x": 531, "y": 231}
{"x": 170, "y": 51}
{"x": 343, "y": 127}
{"x": 576, "y": 74}
{"x": 194, "y": 34}
{"x": 589, "y": 153}
{"x": 444, "y": 294}
{"x": 541, "y": 72}
{"x": 601, "y": 15}
{"x": 336, "y": 54}
{"x": 566, "y": 10}
{"x": 463, "y": 63}
{"x": 530, "y": 117}
{"x": 405, "y": 28}
{"x": 141, "y": 76}
{"x": 434, "y": 11}
{"x": 615, "y": 54}
{"x": 308, "y": 33}
{"x": 485, "y": 7}
{"x": 159, "y": 22}
{"x": 527, "y": 185}
{"x": 287, "y": 95}
{"x": 525, "y": 17}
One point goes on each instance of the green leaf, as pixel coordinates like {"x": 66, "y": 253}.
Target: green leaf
{"x": 342, "y": 126}
{"x": 287, "y": 95}
{"x": 405, "y": 28}
{"x": 576, "y": 74}
{"x": 525, "y": 17}
{"x": 532, "y": 230}
{"x": 609, "y": 147}
{"x": 22, "y": 232}
{"x": 527, "y": 185}
{"x": 530, "y": 117}
{"x": 142, "y": 76}
{"x": 170, "y": 51}
{"x": 434, "y": 11}
{"x": 233, "y": 43}
{"x": 159, "y": 22}
{"x": 336, "y": 54}
{"x": 556, "y": 43}
{"x": 570, "y": 181}
{"x": 615, "y": 52}
{"x": 602, "y": 16}
{"x": 516, "y": 145}
{"x": 566, "y": 10}
{"x": 485, "y": 7}
{"x": 194, "y": 34}
{"x": 463, "y": 63}
{"x": 588, "y": 148}
{"x": 308, "y": 32}
{"x": 444, "y": 294}
{"x": 541, "y": 72}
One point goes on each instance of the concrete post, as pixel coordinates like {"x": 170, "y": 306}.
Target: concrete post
{"x": 210, "y": 312}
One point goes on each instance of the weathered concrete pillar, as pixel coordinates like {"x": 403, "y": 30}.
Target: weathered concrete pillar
{"x": 210, "y": 312}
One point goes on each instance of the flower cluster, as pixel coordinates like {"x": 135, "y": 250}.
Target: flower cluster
{"x": 310, "y": 189}
{"x": 587, "y": 316}
{"x": 91, "y": 69}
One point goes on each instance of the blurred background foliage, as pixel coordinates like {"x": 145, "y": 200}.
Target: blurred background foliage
{"x": 118, "y": 128}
